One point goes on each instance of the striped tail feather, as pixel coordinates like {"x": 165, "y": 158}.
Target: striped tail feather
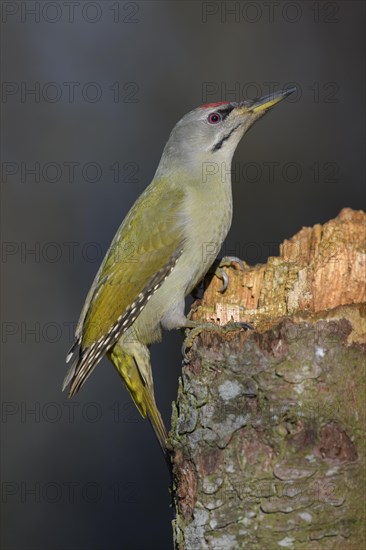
{"x": 140, "y": 389}
{"x": 155, "y": 419}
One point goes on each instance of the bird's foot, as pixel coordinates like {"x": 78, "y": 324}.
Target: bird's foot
{"x": 194, "y": 328}
{"x": 218, "y": 269}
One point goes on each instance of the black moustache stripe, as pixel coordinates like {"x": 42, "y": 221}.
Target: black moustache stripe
{"x": 218, "y": 145}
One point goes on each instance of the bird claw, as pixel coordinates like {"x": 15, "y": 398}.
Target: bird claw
{"x": 227, "y": 261}
{"x": 234, "y": 325}
{"x": 194, "y": 328}
{"x": 230, "y": 261}
{"x": 221, "y": 274}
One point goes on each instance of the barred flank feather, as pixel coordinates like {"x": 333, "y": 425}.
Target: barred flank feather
{"x": 86, "y": 359}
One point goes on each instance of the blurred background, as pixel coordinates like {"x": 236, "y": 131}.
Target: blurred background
{"x": 90, "y": 93}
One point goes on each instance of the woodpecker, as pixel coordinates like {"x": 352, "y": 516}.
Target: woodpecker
{"x": 162, "y": 250}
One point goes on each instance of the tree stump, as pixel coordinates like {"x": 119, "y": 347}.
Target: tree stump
{"x": 268, "y": 439}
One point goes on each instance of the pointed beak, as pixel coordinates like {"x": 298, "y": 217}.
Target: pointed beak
{"x": 262, "y": 104}
{"x": 269, "y": 101}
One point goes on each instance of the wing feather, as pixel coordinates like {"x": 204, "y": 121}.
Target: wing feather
{"x": 143, "y": 253}
{"x": 85, "y": 362}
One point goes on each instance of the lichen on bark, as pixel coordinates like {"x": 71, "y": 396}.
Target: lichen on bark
{"x": 268, "y": 428}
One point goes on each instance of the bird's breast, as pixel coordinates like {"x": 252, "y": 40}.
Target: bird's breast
{"x": 208, "y": 220}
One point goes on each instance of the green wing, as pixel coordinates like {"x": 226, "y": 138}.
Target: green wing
{"x": 143, "y": 252}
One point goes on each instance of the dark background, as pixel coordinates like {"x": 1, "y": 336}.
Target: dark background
{"x": 88, "y": 474}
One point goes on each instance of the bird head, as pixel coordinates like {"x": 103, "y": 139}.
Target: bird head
{"x": 213, "y": 131}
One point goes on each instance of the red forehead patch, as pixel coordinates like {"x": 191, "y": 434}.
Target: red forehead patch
{"x": 209, "y": 105}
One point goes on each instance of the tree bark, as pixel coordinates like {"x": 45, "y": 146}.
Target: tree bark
{"x": 268, "y": 440}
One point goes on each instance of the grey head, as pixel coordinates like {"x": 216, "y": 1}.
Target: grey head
{"x": 212, "y": 132}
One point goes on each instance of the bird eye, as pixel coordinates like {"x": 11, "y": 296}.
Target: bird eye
{"x": 214, "y": 118}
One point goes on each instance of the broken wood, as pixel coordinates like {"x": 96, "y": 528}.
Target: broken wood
{"x": 268, "y": 440}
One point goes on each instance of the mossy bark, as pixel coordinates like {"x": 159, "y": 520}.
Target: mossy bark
{"x": 268, "y": 435}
